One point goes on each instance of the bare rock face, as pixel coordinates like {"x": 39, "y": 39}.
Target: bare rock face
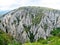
{"x": 30, "y": 23}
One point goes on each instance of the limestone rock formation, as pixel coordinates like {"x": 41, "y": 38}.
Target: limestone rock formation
{"x": 30, "y": 23}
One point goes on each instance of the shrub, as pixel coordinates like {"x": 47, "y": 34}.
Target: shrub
{"x": 55, "y": 32}
{"x": 6, "y": 39}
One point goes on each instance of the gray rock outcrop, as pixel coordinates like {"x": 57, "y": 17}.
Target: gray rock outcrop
{"x": 30, "y": 23}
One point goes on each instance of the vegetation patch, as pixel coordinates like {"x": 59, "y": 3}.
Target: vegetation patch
{"x": 7, "y": 39}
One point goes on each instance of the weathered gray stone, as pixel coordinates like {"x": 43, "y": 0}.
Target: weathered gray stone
{"x": 14, "y": 22}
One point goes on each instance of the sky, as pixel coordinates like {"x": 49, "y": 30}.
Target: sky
{"x": 12, "y": 4}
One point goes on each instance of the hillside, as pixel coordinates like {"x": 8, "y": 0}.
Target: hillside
{"x": 29, "y": 24}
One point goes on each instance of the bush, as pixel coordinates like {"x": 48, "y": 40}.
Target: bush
{"x": 6, "y": 39}
{"x": 55, "y": 32}
{"x": 54, "y": 40}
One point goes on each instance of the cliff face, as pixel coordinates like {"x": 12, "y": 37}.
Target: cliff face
{"x": 30, "y": 23}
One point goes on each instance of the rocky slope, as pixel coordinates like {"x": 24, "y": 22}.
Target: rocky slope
{"x": 30, "y": 23}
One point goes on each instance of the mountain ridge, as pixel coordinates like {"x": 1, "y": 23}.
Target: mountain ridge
{"x": 30, "y": 23}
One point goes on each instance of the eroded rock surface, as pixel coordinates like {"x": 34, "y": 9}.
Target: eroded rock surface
{"x": 30, "y": 23}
